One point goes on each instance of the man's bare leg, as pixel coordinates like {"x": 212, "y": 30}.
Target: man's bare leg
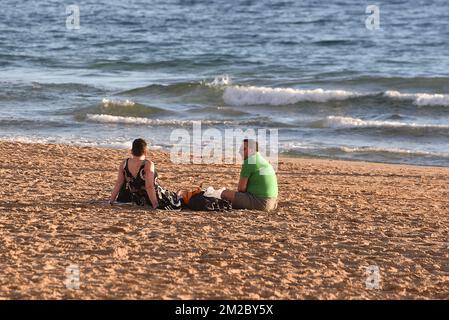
{"x": 228, "y": 195}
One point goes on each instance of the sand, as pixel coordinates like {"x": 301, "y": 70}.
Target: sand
{"x": 334, "y": 220}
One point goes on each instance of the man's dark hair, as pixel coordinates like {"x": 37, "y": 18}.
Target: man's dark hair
{"x": 252, "y": 143}
{"x": 139, "y": 146}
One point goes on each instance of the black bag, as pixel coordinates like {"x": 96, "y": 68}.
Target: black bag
{"x": 199, "y": 202}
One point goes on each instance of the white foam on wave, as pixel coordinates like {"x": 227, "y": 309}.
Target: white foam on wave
{"x": 349, "y": 122}
{"x": 421, "y": 99}
{"x": 110, "y": 102}
{"x": 29, "y": 139}
{"x": 366, "y": 149}
{"x": 393, "y": 151}
{"x": 105, "y": 118}
{"x": 241, "y": 95}
{"x": 114, "y": 143}
{"x": 219, "y": 81}
{"x": 252, "y": 95}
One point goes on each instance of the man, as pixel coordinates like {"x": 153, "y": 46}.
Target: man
{"x": 258, "y": 187}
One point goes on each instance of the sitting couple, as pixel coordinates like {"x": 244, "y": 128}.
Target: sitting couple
{"x": 137, "y": 182}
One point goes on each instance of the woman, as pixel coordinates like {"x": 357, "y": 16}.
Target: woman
{"x": 136, "y": 178}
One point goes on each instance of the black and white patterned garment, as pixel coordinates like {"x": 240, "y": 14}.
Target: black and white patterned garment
{"x": 133, "y": 190}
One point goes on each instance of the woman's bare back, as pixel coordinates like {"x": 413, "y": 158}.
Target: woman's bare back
{"x": 134, "y": 165}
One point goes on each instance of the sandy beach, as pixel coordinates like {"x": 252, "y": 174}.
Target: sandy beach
{"x": 335, "y": 219}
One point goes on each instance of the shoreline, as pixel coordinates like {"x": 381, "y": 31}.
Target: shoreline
{"x": 335, "y": 219}
{"x": 282, "y": 156}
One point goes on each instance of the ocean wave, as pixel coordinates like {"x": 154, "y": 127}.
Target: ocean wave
{"x": 222, "y": 90}
{"x": 65, "y": 86}
{"x": 222, "y": 111}
{"x": 116, "y": 107}
{"x": 127, "y": 108}
{"x": 434, "y": 84}
{"x": 382, "y": 154}
{"x": 33, "y": 124}
{"x": 218, "y": 81}
{"x": 115, "y": 143}
{"x": 252, "y": 95}
{"x": 397, "y": 151}
{"x": 162, "y": 89}
{"x": 180, "y": 88}
{"x": 349, "y": 122}
{"x": 104, "y": 118}
{"x": 241, "y": 95}
{"x": 340, "y": 42}
{"x": 110, "y": 103}
{"x": 40, "y": 91}
{"x": 421, "y": 99}
{"x": 196, "y": 62}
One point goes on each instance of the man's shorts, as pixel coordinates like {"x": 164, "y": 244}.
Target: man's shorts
{"x": 246, "y": 200}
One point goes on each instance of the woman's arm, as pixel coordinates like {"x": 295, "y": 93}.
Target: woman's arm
{"x": 118, "y": 184}
{"x": 149, "y": 183}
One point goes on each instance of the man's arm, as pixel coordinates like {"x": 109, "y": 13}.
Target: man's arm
{"x": 243, "y": 184}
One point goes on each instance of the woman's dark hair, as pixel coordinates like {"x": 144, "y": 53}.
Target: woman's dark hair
{"x": 139, "y": 146}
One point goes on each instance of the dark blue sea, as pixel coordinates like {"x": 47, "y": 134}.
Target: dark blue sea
{"x": 311, "y": 69}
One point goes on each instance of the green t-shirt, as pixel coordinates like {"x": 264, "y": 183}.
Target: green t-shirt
{"x": 262, "y": 181}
